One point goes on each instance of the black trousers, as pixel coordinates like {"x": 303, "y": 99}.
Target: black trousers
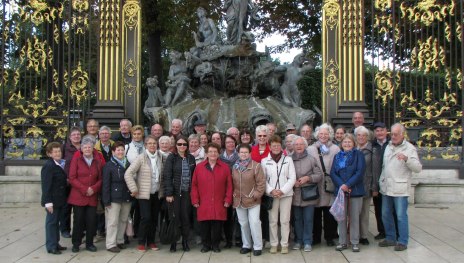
{"x": 85, "y": 217}
{"x": 149, "y": 211}
{"x": 211, "y": 233}
{"x": 65, "y": 219}
{"x": 323, "y": 218}
{"x": 264, "y": 217}
{"x": 377, "y": 200}
{"x": 228, "y": 225}
{"x": 182, "y": 209}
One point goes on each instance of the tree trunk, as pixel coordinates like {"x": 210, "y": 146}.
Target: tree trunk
{"x": 154, "y": 56}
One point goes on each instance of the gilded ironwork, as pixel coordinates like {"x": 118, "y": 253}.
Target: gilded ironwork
{"x": 332, "y": 79}
{"x": 428, "y": 55}
{"x": 35, "y": 54}
{"x": 80, "y": 19}
{"x": 427, "y": 11}
{"x": 79, "y": 81}
{"x": 459, "y": 31}
{"x": 17, "y": 121}
{"x": 331, "y": 9}
{"x": 460, "y": 79}
{"x": 131, "y": 11}
{"x": 38, "y": 12}
{"x": 429, "y": 108}
{"x": 383, "y": 5}
{"x": 129, "y": 89}
{"x": 37, "y": 107}
{"x": 411, "y": 123}
{"x": 130, "y": 68}
{"x": 385, "y": 83}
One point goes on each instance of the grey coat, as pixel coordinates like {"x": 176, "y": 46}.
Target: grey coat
{"x": 371, "y": 179}
{"x": 305, "y": 165}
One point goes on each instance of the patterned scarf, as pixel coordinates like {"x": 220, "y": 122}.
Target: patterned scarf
{"x": 241, "y": 165}
{"x": 138, "y": 146}
{"x": 196, "y": 153}
{"x": 343, "y": 158}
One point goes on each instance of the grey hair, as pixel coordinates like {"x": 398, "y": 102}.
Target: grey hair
{"x": 299, "y": 137}
{"x": 105, "y": 128}
{"x": 275, "y": 126}
{"x": 261, "y": 128}
{"x": 403, "y": 129}
{"x": 130, "y": 123}
{"x": 291, "y": 136}
{"x": 177, "y": 120}
{"x": 193, "y": 137}
{"x": 324, "y": 126}
{"x": 361, "y": 129}
{"x": 164, "y": 138}
{"x": 88, "y": 139}
{"x": 230, "y": 129}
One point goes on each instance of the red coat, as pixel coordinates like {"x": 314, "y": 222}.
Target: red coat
{"x": 211, "y": 189}
{"x": 81, "y": 177}
{"x": 255, "y": 156}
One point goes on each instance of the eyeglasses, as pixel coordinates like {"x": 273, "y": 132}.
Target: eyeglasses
{"x": 262, "y": 136}
{"x": 182, "y": 144}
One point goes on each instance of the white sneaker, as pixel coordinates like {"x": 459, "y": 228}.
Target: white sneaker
{"x": 296, "y": 246}
{"x": 307, "y": 248}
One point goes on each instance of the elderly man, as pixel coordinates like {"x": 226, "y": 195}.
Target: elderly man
{"x": 306, "y": 132}
{"x": 400, "y": 160}
{"x": 157, "y": 131}
{"x": 357, "y": 119}
{"x": 290, "y": 129}
{"x": 200, "y": 127}
{"x": 124, "y": 134}
{"x": 104, "y": 143}
{"x": 234, "y": 132}
{"x": 92, "y": 127}
{"x": 176, "y": 128}
{"x": 271, "y": 129}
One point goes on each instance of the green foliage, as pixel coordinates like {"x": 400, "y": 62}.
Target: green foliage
{"x": 310, "y": 86}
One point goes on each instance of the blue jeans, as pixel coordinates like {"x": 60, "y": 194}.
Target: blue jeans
{"x": 304, "y": 217}
{"x": 390, "y": 204}
{"x": 52, "y": 232}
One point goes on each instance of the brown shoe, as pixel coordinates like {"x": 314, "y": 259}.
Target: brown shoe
{"x": 114, "y": 249}
{"x": 400, "y": 247}
{"x": 386, "y": 243}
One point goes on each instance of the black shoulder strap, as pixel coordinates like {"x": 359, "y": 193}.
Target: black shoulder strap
{"x": 278, "y": 173}
{"x": 322, "y": 161}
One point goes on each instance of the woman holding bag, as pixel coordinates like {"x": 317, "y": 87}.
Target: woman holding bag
{"x": 307, "y": 172}
{"x": 347, "y": 174}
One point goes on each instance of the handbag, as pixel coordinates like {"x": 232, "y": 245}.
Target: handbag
{"x": 170, "y": 228}
{"x": 310, "y": 192}
{"x": 328, "y": 184}
{"x": 130, "y": 228}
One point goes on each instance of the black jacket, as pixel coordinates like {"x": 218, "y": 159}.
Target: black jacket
{"x": 118, "y": 137}
{"x": 173, "y": 173}
{"x": 114, "y": 187}
{"x": 379, "y": 150}
{"x": 54, "y": 181}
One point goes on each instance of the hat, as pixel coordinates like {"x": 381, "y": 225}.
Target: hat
{"x": 290, "y": 126}
{"x": 379, "y": 125}
{"x": 199, "y": 122}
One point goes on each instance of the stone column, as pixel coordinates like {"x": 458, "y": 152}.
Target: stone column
{"x": 343, "y": 60}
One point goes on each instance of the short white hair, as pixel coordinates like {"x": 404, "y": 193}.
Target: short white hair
{"x": 105, "y": 128}
{"x": 230, "y": 130}
{"x": 324, "y": 126}
{"x": 176, "y": 120}
{"x": 273, "y": 124}
{"x": 402, "y": 128}
{"x": 291, "y": 136}
{"x": 361, "y": 129}
{"x": 164, "y": 139}
{"x": 128, "y": 121}
{"x": 297, "y": 138}
{"x": 261, "y": 128}
{"x": 88, "y": 139}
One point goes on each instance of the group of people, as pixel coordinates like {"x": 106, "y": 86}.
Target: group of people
{"x": 217, "y": 183}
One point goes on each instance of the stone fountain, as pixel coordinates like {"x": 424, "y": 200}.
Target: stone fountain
{"x": 228, "y": 83}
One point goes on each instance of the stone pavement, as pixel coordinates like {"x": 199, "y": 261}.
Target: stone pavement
{"x": 436, "y": 235}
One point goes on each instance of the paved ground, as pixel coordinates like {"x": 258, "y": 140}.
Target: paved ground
{"x": 436, "y": 236}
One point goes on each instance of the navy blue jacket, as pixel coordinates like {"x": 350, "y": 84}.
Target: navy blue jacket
{"x": 54, "y": 181}
{"x": 114, "y": 187}
{"x": 351, "y": 175}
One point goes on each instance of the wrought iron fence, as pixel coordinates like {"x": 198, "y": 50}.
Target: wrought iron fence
{"x": 49, "y": 72}
{"x": 415, "y": 70}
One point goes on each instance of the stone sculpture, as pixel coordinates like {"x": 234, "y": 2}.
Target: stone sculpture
{"x": 178, "y": 80}
{"x": 237, "y": 14}
{"x": 155, "y": 97}
{"x": 207, "y": 31}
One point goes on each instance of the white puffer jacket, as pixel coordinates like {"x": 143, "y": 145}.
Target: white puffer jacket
{"x": 287, "y": 176}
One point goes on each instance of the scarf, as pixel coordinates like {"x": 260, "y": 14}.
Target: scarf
{"x": 122, "y": 162}
{"x": 196, "y": 153}
{"x": 276, "y": 157}
{"x": 60, "y": 163}
{"x": 241, "y": 165}
{"x": 343, "y": 158}
{"x": 138, "y": 146}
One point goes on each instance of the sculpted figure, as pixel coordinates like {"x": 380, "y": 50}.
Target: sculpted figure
{"x": 237, "y": 14}
{"x": 207, "y": 32}
{"x": 289, "y": 90}
{"x": 178, "y": 80}
{"x": 155, "y": 98}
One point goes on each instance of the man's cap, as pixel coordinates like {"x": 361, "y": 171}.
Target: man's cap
{"x": 379, "y": 125}
{"x": 199, "y": 122}
{"x": 290, "y": 126}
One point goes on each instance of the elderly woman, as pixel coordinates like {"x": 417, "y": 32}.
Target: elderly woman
{"x": 116, "y": 198}
{"x": 135, "y": 147}
{"x": 280, "y": 179}
{"x": 195, "y": 148}
{"x": 307, "y": 172}
{"x": 54, "y": 181}
{"x": 347, "y": 174}
{"x": 249, "y": 186}
{"x": 324, "y": 151}
{"x": 177, "y": 178}
{"x": 246, "y": 137}
{"x": 289, "y": 144}
{"x": 261, "y": 149}
{"x": 165, "y": 144}
{"x": 211, "y": 194}
{"x": 371, "y": 182}
{"x": 144, "y": 180}
{"x": 85, "y": 178}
